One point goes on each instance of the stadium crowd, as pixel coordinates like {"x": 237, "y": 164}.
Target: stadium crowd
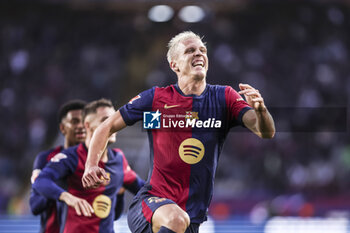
{"x": 295, "y": 53}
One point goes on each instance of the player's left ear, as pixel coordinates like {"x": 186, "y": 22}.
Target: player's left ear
{"x": 62, "y": 129}
{"x": 86, "y": 125}
{"x": 174, "y": 66}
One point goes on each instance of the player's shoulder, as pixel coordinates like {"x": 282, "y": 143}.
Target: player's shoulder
{"x": 71, "y": 152}
{"x": 47, "y": 154}
{"x": 149, "y": 93}
{"x": 69, "y": 157}
{"x": 216, "y": 89}
{"x": 145, "y": 95}
{"x": 72, "y": 149}
{"x": 226, "y": 88}
{"x": 150, "y": 90}
{"x": 117, "y": 152}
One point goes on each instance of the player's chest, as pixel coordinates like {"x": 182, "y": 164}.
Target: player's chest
{"x": 187, "y": 113}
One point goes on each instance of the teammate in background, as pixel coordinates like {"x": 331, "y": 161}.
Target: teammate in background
{"x": 72, "y": 128}
{"x": 191, "y": 121}
{"x": 94, "y": 211}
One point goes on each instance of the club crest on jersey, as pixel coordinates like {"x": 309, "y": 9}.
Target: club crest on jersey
{"x": 106, "y": 182}
{"x": 151, "y": 120}
{"x": 191, "y": 115}
{"x": 58, "y": 157}
{"x": 135, "y": 98}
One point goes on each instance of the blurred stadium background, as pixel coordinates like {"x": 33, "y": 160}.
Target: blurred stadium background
{"x": 295, "y": 52}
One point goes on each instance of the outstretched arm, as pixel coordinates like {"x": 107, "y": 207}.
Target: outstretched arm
{"x": 259, "y": 120}
{"x": 92, "y": 174}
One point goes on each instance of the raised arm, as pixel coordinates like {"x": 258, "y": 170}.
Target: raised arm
{"x": 94, "y": 175}
{"x": 259, "y": 120}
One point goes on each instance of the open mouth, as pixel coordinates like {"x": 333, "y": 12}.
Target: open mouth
{"x": 198, "y": 63}
{"x": 80, "y": 134}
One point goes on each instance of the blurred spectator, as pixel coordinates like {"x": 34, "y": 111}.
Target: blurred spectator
{"x": 295, "y": 53}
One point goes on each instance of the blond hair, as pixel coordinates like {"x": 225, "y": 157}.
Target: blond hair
{"x": 175, "y": 41}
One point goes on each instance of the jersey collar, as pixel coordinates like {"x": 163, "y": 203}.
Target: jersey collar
{"x": 177, "y": 88}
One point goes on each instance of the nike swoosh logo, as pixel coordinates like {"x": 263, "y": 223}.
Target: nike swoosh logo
{"x": 171, "y": 106}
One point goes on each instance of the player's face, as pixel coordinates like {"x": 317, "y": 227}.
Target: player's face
{"x": 72, "y": 127}
{"x": 102, "y": 113}
{"x": 192, "y": 59}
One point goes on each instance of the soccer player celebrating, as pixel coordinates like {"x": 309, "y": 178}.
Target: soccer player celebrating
{"x": 71, "y": 126}
{"x": 188, "y": 123}
{"x": 92, "y": 210}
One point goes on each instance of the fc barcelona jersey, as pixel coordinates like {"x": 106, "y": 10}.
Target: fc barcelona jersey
{"x": 70, "y": 165}
{"x": 186, "y": 135}
{"x": 48, "y": 209}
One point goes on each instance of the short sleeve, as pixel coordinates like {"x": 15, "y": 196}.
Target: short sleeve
{"x": 133, "y": 111}
{"x": 41, "y": 160}
{"x": 61, "y": 165}
{"x": 236, "y": 106}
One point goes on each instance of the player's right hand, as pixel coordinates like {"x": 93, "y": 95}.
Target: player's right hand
{"x": 81, "y": 206}
{"x": 93, "y": 177}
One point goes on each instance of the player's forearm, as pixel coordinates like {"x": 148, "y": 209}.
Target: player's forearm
{"x": 96, "y": 147}
{"x": 100, "y": 137}
{"x": 47, "y": 187}
{"x": 65, "y": 197}
{"x": 265, "y": 124}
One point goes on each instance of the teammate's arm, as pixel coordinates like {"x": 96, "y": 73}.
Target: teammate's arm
{"x": 45, "y": 184}
{"x": 258, "y": 120}
{"x": 92, "y": 174}
{"x": 81, "y": 206}
{"x": 48, "y": 188}
{"x": 37, "y": 202}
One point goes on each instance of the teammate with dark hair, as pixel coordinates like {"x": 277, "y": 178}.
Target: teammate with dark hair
{"x": 94, "y": 209}
{"x": 71, "y": 126}
{"x": 188, "y": 123}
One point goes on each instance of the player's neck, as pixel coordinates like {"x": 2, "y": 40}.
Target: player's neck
{"x": 68, "y": 144}
{"x": 190, "y": 86}
{"x": 88, "y": 140}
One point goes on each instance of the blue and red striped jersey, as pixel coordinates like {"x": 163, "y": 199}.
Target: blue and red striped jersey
{"x": 49, "y": 217}
{"x": 187, "y": 140}
{"x": 70, "y": 165}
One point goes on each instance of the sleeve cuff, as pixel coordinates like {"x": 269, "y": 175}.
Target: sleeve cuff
{"x": 240, "y": 115}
